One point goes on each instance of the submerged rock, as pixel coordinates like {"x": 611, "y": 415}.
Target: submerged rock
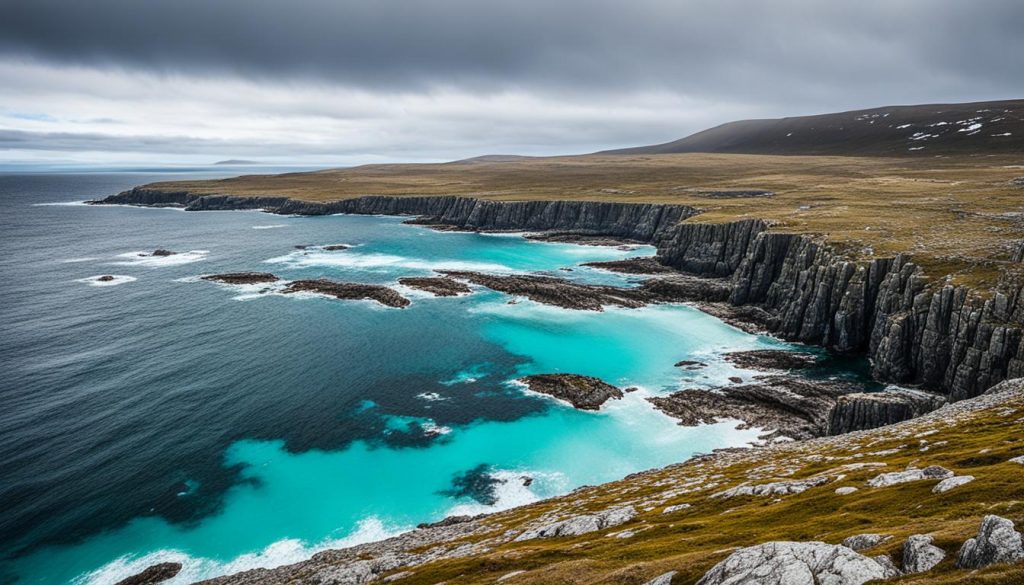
{"x": 152, "y": 575}
{"x": 771, "y": 359}
{"x": 920, "y": 555}
{"x": 791, "y": 407}
{"x": 242, "y": 277}
{"x": 583, "y": 392}
{"x": 795, "y": 563}
{"x": 438, "y": 286}
{"x": 869, "y": 410}
{"x": 583, "y": 524}
{"x": 997, "y": 542}
{"x": 349, "y": 291}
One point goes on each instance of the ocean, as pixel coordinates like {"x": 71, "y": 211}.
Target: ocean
{"x": 159, "y": 417}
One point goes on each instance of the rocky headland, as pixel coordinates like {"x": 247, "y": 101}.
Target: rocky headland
{"x": 349, "y": 291}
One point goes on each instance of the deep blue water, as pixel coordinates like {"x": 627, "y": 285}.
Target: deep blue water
{"x": 167, "y": 418}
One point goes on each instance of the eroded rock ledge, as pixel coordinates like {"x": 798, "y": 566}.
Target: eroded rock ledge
{"x": 583, "y": 392}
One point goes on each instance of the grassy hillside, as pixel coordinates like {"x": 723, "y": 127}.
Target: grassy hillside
{"x": 957, "y": 215}
{"x": 923, "y": 130}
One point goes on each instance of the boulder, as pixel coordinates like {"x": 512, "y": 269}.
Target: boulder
{"x": 1019, "y": 460}
{"x": 913, "y": 474}
{"x": 845, "y": 490}
{"x": 864, "y": 541}
{"x": 676, "y": 508}
{"x": 583, "y": 524}
{"x": 951, "y": 482}
{"x": 663, "y": 579}
{"x": 920, "y": 555}
{"x": 997, "y": 542}
{"x": 795, "y": 563}
{"x": 153, "y": 574}
{"x": 891, "y": 570}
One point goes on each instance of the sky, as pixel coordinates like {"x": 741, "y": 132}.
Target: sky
{"x": 343, "y": 82}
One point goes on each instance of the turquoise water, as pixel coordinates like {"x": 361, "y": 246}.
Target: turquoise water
{"x": 228, "y": 429}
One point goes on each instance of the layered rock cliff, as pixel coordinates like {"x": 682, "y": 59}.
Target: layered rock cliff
{"x": 942, "y": 337}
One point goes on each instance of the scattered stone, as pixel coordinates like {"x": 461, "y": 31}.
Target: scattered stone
{"x": 920, "y": 555}
{"x": 578, "y": 525}
{"x": 349, "y": 291}
{"x": 663, "y": 579}
{"x": 507, "y": 576}
{"x": 914, "y": 474}
{"x": 162, "y": 252}
{"x": 735, "y": 379}
{"x": 794, "y": 563}
{"x": 864, "y": 541}
{"x": 639, "y": 265}
{"x": 583, "y": 392}
{"x": 104, "y": 278}
{"x": 152, "y": 575}
{"x": 241, "y": 277}
{"x": 952, "y": 482}
{"x": 778, "y": 488}
{"x": 439, "y": 286}
{"x": 1019, "y": 460}
{"x": 997, "y": 542}
{"x": 771, "y": 359}
{"x": 845, "y": 491}
{"x": 690, "y": 364}
{"x": 527, "y": 480}
{"x": 676, "y": 508}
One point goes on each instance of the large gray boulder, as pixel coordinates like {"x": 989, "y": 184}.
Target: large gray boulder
{"x": 664, "y": 579}
{"x": 898, "y": 477}
{"x": 997, "y": 542}
{"x": 582, "y": 524}
{"x": 795, "y": 563}
{"x": 920, "y": 555}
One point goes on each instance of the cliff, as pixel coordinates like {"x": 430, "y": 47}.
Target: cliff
{"x": 945, "y": 338}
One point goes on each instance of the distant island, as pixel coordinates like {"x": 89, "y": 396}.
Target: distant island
{"x": 237, "y": 162}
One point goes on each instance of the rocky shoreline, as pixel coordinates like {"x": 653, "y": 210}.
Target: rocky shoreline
{"x": 949, "y": 339}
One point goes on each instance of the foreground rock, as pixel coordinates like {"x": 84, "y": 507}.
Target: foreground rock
{"x": 869, "y": 410}
{"x": 898, "y": 477}
{"x": 795, "y": 563}
{"x": 242, "y": 277}
{"x": 349, "y": 291}
{"x": 771, "y": 359}
{"x": 920, "y": 555}
{"x": 997, "y": 542}
{"x": 640, "y": 265}
{"x": 583, "y": 524}
{"x": 438, "y": 286}
{"x": 152, "y": 575}
{"x": 583, "y": 392}
{"x": 790, "y": 407}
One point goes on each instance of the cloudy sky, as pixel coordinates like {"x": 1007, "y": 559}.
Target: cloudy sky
{"x": 346, "y": 81}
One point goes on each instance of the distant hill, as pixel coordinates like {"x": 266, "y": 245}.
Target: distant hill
{"x": 980, "y": 127}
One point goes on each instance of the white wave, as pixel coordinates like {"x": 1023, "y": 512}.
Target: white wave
{"x": 380, "y": 262}
{"x": 114, "y": 281}
{"x": 431, "y": 397}
{"x": 512, "y": 491}
{"x": 77, "y": 260}
{"x": 146, "y": 258}
{"x": 277, "y": 554}
{"x": 60, "y": 204}
{"x": 269, "y": 227}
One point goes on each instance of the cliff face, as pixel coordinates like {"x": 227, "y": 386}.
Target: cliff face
{"x": 943, "y": 338}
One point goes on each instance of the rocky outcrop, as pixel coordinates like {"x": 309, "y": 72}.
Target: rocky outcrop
{"x": 770, "y": 359}
{"x": 945, "y": 338}
{"x": 153, "y": 575}
{"x": 997, "y": 542}
{"x": 920, "y": 555}
{"x": 438, "y": 286}
{"x": 795, "y": 563}
{"x": 639, "y": 265}
{"x": 663, "y": 579}
{"x": 869, "y": 410}
{"x": 582, "y": 524}
{"x": 914, "y": 474}
{"x": 583, "y": 392}
{"x": 241, "y": 277}
{"x": 790, "y": 407}
{"x": 555, "y": 291}
{"x": 349, "y": 291}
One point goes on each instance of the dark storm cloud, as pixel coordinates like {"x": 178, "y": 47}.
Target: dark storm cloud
{"x": 786, "y": 52}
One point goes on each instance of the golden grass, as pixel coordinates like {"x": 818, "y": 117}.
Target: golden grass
{"x": 691, "y": 541}
{"x": 956, "y": 215}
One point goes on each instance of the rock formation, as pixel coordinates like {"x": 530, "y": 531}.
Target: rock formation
{"x": 582, "y": 524}
{"x": 555, "y": 291}
{"x": 868, "y": 410}
{"x": 997, "y": 542}
{"x": 861, "y": 542}
{"x": 639, "y": 265}
{"x": 795, "y": 563}
{"x": 920, "y": 555}
{"x": 583, "y": 392}
{"x": 153, "y": 574}
{"x": 771, "y": 359}
{"x": 438, "y": 286}
{"x": 349, "y": 290}
{"x": 242, "y": 277}
{"x": 914, "y": 474}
